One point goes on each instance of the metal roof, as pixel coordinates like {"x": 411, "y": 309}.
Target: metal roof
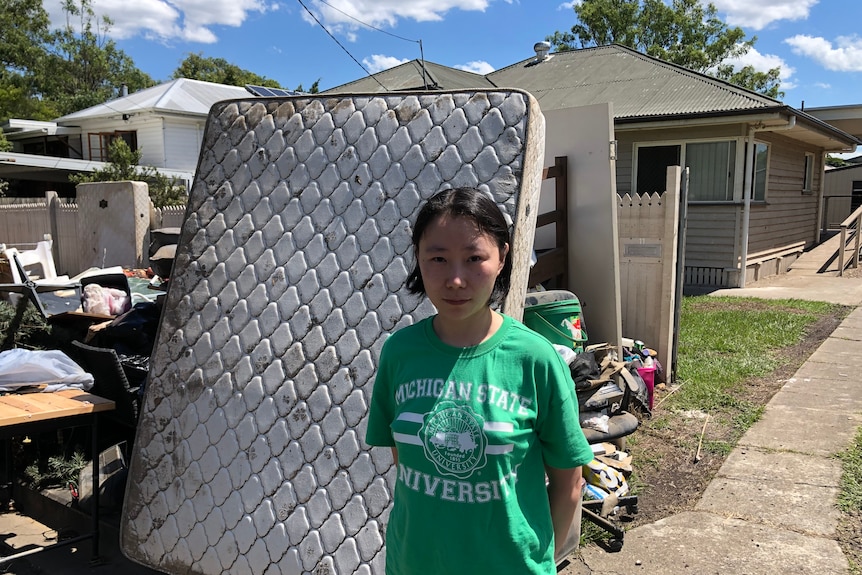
{"x": 638, "y": 85}
{"x": 641, "y": 88}
{"x": 411, "y": 76}
{"x": 182, "y": 96}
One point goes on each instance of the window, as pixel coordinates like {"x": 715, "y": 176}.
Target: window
{"x": 717, "y": 168}
{"x": 808, "y": 183}
{"x": 711, "y": 169}
{"x": 100, "y": 142}
{"x": 653, "y": 162}
{"x": 758, "y": 171}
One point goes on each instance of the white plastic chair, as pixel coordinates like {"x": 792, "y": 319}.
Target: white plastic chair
{"x": 38, "y": 263}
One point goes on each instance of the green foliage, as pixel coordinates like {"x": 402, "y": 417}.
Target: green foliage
{"x": 123, "y": 166}
{"x": 315, "y": 88}
{"x": 850, "y": 495}
{"x": 836, "y": 162}
{"x": 767, "y": 83}
{"x": 219, "y": 71}
{"x": 33, "y": 333}
{"x": 60, "y": 472}
{"x": 83, "y": 67}
{"x": 47, "y": 73}
{"x": 685, "y": 33}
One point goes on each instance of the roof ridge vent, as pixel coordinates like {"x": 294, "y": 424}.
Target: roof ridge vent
{"x": 542, "y": 49}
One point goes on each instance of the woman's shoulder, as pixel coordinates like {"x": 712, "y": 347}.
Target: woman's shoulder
{"x": 407, "y": 335}
{"x": 533, "y": 341}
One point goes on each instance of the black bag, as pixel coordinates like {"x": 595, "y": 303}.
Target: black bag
{"x": 584, "y": 368}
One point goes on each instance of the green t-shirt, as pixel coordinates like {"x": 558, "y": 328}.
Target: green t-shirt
{"x": 474, "y": 428}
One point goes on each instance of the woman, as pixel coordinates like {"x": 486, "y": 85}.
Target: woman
{"x": 476, "y": 409}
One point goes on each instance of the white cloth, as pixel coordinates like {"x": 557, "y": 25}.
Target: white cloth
{"x": 53, "y": 368}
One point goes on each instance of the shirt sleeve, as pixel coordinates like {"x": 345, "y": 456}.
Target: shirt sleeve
{"x": 563, "y": 443}
{"x": 382, "y": 409}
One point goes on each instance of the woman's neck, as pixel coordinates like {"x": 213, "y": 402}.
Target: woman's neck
{"x": 467, "y": 333}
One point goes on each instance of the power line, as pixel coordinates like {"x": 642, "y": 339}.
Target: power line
{"x": 310, "y": 13}
{"x": 421, "y": 50}
{"x": 369, "y": 25}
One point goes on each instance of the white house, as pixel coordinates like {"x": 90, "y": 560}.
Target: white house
{"x": 165, "y": 123}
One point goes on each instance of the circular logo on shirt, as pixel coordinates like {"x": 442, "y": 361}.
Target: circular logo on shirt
{"x": 454, "y": 439}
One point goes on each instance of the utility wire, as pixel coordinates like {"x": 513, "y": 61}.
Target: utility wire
{"x": 369, "y": 25}
{"x": 310, "y": 13}
{"x": 421, "y": 51}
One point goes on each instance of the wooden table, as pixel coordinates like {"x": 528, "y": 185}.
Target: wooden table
{"x": 31, "y": 413}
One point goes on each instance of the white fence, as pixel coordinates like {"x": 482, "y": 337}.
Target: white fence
{"x": 648, "y": 232}
{"x": 23, "y": 223}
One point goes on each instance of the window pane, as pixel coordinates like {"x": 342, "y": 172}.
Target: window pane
{"x": 809, "y": 173}
{"x": 760, "y": 155}
{"x": 711, "y": 166}
{"x": 653, "y": 162}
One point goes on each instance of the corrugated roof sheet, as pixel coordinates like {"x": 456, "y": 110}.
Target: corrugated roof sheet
{"x": 179, "y": 96}
{"x": 638, "y": 85}
{"x": 408, "y": 76}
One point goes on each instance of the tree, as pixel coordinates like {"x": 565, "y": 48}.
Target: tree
{"x": 45, "y": 74}
{"x": 315, "y": 88}
{"x": 219, "y": 71}
{"x": 836, "y": 162}
{"x": 22, "y": 40}
{"x": 82, "y": 66}
{"x": 5, "y": 146}
{"x": 684, "y": 33}
{"x": 123, "y": 166}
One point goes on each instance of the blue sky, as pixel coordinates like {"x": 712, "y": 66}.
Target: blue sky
{"x": 818, "y": 44}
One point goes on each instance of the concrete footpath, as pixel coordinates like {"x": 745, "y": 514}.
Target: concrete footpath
{"x": 771, "y": 508}
{"x": 769, "y": 511}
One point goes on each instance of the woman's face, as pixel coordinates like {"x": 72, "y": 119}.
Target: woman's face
{"x": 459, "y": 265}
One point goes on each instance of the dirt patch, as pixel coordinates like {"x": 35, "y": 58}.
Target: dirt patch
{"x": 674, "y": 466}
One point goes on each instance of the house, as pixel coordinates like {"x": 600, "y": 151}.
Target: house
{"x": 842, "y": 186}
{"x": 755, "y": 164}
{"x": 165, "y": 123}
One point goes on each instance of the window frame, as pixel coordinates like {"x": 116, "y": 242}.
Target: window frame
{"x": 768, "y": 147}
{"x": 99, "y": 152}
{"x": 808, "y": 173}
{"x": 738, "y": 167}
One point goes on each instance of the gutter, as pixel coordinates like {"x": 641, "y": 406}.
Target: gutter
{"x": 748, "y": 191}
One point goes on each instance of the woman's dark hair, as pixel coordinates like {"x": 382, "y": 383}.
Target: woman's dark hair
{"x": 478, "y": 207}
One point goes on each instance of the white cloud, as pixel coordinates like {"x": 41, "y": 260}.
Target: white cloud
{"x": 568, "y": 5}
{"x": 189, "y": 20}
{"x": 379, "y": 62}
{"x": 343, "y": 14}
{"x": 765, "y": 63}
{"x": 194, "y": 20}
{"x": 760, "y": 14}
{"x": 477, "y": 67}
{"x": 844, "y": 56}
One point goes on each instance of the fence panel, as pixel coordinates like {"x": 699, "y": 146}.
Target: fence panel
{"x": 66, "y": 241}
{"x": 23, "y": 224}
{"x": 647, "y": 226}
{"x": 170, "y": 217}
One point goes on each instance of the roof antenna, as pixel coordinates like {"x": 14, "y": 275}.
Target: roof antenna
{"x": 422, "y": 56}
